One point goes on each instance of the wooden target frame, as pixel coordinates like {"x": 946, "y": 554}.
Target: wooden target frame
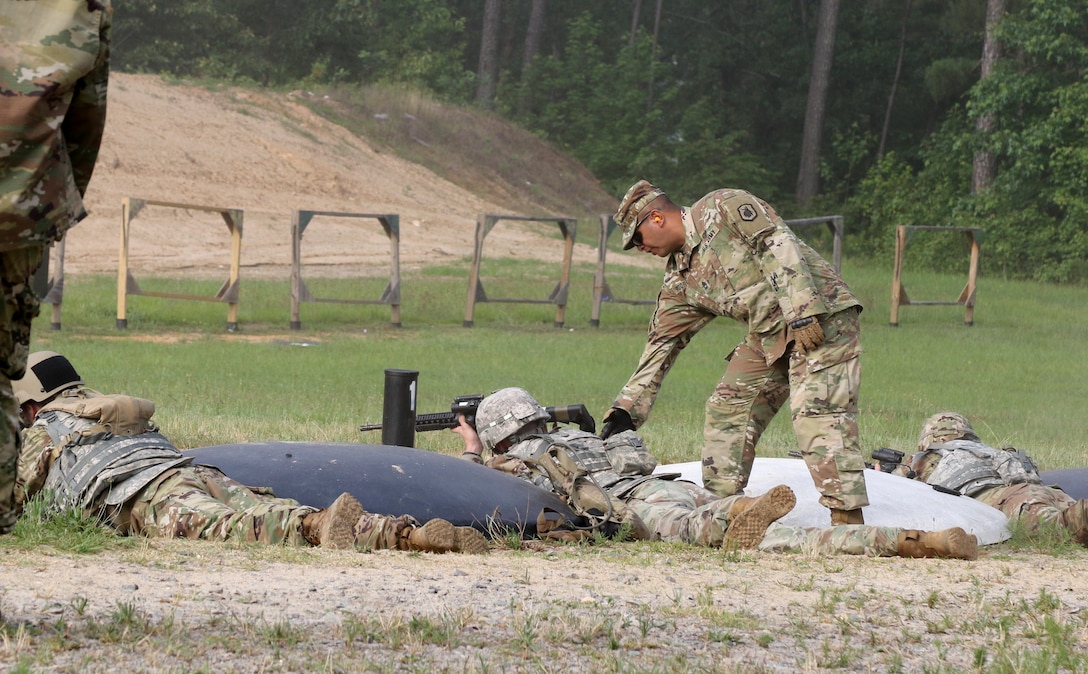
{"x": 390, "y": 223}
{"x": 127, "y": 284}
{"x": 967, "y": 295}
{"x": 485, "y": 222}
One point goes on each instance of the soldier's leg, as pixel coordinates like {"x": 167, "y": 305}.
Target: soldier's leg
{"x": 824, "y": 405}
{"x": 404, "y": 532}
{"x": 854, "y": 539}
{"x": 1075, "y": 520}
{"x": 18, "y": 307}
{"x": 672, "y": 512}
{"x": 200, "y": 502}
{"x": 743, "y": 404}
{"x": 383, "y": 532}
{"x": 1034, "y": 504}
{"x": 1029, "y": 504}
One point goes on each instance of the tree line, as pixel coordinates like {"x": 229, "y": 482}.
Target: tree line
{"x": 890, "y": 112}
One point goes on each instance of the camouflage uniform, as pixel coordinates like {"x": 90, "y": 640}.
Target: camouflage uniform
{"x": 668, "y": 510}
{"x": 54, "y": 65}
{"x": 846, "y": 539}
{"x": 157, "y": 494}
{"x": 1003, "y": 478}
{"x": 740, "y": 260}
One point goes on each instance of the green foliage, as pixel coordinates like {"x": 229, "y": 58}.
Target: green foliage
{"x": 715, "y": 95}
{"x": 1035, "y": 210}
{"x": 596, "y": 77}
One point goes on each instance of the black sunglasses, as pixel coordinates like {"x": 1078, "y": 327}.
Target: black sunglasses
{"x": 636, "y": 238}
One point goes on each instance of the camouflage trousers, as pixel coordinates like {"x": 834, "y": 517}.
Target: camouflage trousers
{"x": 18, "y": 309}
{"x": 678, "y": 511}
{"x": 845, "y": 539}
{"x": 200, "y": 502}
{"x": 823, "y": 405}
{"x": 383, "y": 532}
{"x": 1035, "y": 504}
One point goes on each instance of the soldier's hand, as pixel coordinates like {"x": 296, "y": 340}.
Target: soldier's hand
{"x": 617, "y": 420}
{"x": 807, "y": 332}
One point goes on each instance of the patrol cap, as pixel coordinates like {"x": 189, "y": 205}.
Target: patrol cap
{"x": 943, "y": 427}
{"x": 47, "y": 374}
{"x": 638, "y": 197}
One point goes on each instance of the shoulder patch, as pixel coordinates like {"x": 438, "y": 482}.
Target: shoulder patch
{"x": 747, "y": 212}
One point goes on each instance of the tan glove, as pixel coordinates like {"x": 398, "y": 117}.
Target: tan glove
{"x": 808, "y": 333}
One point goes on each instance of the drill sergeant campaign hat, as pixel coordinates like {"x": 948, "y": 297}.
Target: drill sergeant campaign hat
{"x": 627, "y": 216}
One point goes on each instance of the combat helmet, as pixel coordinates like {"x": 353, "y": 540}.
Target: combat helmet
{"x": 47, "y": 374}
{"x": 503, "y": 413}
{"x": 945, "y": 426}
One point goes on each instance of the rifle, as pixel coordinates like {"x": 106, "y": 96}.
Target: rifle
{"x": 889, "y": 458}
{"x": 468, "y": 404}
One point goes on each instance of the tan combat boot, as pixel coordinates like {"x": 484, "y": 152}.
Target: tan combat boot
{"x": 749, "y": 516}
{"x": 839, "y": 517}
{"x": 332, "y": 527}
{"x": 954, "y": 543}
{"x": 470, "y": 541}
{"x": 1075, "y": 520}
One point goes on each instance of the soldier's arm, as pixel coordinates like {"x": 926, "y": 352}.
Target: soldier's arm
{"x": 673, "y": 325}
{"x": 36, "y": 457}
{"x": 86, "y": 119}
{"x": 780, "y": 255}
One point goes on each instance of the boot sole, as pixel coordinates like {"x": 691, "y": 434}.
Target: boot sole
{"x": 338, "y": 530}
{"x": 747, "y": 529}
{"x": 470, "y": 541}
{"x": 438, "y": 536}
{"x": 962, "y": 545}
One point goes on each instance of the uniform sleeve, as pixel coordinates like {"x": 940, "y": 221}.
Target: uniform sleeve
{"x": 36, "y": 457}
{"x": 673, "y": 325}
{"x": 779, "y": 253}
{"x": 86, "y": 119}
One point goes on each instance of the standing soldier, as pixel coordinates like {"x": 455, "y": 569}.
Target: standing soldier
{"x": 731, "y": 255}
{"x": 54, "y": 67}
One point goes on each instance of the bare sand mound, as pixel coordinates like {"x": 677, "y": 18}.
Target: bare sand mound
{"x": 268, "y": 154}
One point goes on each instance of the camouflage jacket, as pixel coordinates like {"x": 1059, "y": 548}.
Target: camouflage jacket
{"x": 54, "y": 69}
{"x": 617, "y": 464}
{"x": 742, "y": 261}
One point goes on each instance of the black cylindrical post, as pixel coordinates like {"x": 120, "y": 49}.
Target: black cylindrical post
{"x": 399, "y": 411}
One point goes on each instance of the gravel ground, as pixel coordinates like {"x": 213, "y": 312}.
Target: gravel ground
{"x": 195, "y": 606}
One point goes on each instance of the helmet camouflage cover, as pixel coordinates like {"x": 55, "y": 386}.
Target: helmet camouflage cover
{"x": 504, "y": 412}
{"x": 943, "y": 427}
{"x": 47, "y": 374}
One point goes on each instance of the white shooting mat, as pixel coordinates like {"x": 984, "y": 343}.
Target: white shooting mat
{"x": 893, "y": 501}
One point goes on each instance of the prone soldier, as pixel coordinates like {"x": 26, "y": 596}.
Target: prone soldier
{"x": 952, "y": 458}
{"x": 616, "y": 476}
{"x": 103, "y": 455}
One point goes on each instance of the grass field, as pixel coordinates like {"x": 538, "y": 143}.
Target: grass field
{"x": 1018, "y": 373}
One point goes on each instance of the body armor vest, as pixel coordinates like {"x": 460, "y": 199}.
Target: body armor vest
{"x": 969, "y": 467}
{"x": 97, "y": 466}
{"x": 609, "y": 462}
